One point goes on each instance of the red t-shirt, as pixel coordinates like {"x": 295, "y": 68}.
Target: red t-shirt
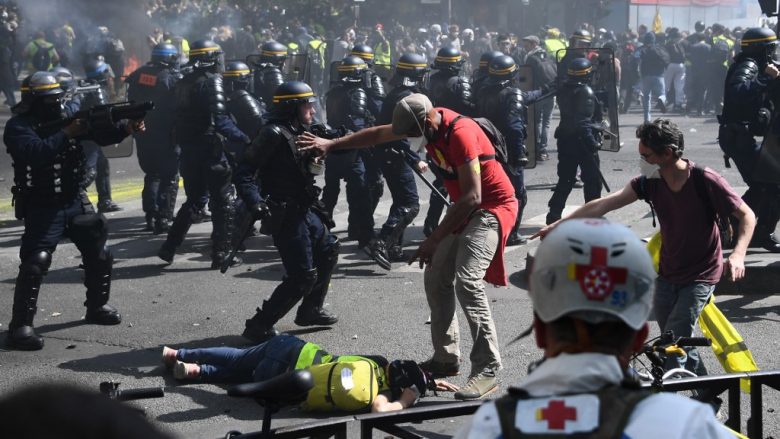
{"x": 466, "y": 143}
{"x": 690, "y": 240}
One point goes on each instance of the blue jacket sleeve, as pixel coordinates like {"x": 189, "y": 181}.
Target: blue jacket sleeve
{"x": 228, "y": 128}
{"x": 25, "y": 145}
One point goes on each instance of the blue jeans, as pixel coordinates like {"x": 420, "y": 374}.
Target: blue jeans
{"x": 543, "y": 115}
{"x": 655, "y": 86}
{"x": 257, "y": 363}
{"x": 677, "y": 308}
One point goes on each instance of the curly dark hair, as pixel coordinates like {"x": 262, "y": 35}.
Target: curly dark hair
{"x": 661, "y": 134}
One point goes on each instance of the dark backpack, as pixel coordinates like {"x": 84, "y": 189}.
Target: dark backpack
{"x": 654, "y": 60}
{"x": 493, "y": 134}
{"x": 616, "y": 405}
{"x": 676, "y": 52}
{"x": 700, "y": 184}
{"x": 42, "y": 59}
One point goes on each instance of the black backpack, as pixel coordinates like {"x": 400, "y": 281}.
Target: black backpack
{"x": 42, "y": 59}
{"x": 493, "y": 134}
{"x": 702, "y": 190}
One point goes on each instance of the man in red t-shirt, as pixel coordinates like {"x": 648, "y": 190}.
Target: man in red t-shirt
{"x": 468, "y": 245}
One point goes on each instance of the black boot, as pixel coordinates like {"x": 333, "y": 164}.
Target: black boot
{"x": 149, "y": 223}
{"x": 260, "y": 327}
{"x": 97, "y": 279}
{"x": 762, "y": 238}
{"x": 311, "y": 311}
{"x": 21, "y": 335}
{"x": 515, "y": 237}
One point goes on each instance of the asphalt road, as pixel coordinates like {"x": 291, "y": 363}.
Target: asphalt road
{"x": 188, "y": 305}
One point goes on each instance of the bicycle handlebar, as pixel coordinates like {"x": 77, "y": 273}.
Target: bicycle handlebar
{"x": 694, "y": 341}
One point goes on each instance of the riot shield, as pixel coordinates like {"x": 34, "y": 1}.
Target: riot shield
{"x": 121, "y": 149}
{"x": 297, "y": 68}
{"x": 525, "y": 80}
{"x": 604, "y": 84}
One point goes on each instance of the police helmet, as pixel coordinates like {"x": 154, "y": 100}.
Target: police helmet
{"x": 579, "y": 70}
{"x": 411, "y": 66}
{"x": 352, "y": 68}
{"x": 97, "y": 69}
{"x": 501, "y": 68}
{"x": 291, "y": 94}
{"x": 406, "y": 373}
{"x": 237, "y": 75}
{"x": 485, "y": 59}
{"x": 64, "y": 76}
{"x": 758, "y": 40}
{"x": 165, "y": 54}
{"x": 273, "y": 52}
{"x": 364, "y": 51}
{"x": 205, "y": 54}
{"x": 36, "y": 88}
{"x": 581, "y": 38}
{"x": 40, "y": 84}
{"x": 448, "y": 58}
{"x": 592, "y": 270}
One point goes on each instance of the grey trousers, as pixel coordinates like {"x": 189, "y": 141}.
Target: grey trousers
{"x": 456, "y": 270}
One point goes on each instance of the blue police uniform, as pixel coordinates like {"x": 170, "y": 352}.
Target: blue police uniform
{"x": 273, "y": 171}
{"x": 201, "y": 124}
{"x": 158, "y": 155}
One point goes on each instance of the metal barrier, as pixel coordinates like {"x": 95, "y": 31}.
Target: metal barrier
{"x": 708, "y": 386}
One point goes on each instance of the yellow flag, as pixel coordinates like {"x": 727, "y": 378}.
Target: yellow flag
{"x": 727, "y": 345}
{"x": 657, "y": 25}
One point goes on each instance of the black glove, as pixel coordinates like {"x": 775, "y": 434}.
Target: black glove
{"x": 260, "y": 211}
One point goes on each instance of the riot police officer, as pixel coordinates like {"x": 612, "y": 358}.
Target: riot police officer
{"x": 158, "y": 155}
{"x": 268, "y": 70}
{"x": 395, "y": 159}
{"x": 274, "y": 177}
{"x": 201, "y": 122}
{"x": 504, "y": 104}
{"x": 481, "y": 73}
{"x": 448, "y": 88}
{"x": 375, "y": 89}
{"x": 347, "y": 106}
{"x": 244, "y": 108}
{"x": 579, "y": 42}
{"x": 578, "y": 140}
{"x": 49, "y": 172}
{"x": 746, "y": 114}
{"x": 98, "y": 168}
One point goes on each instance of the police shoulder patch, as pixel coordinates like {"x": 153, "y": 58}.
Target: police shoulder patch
{"x": 558, "y": 414}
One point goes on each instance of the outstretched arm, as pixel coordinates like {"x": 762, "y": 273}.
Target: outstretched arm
{"x": 361, "y": 139}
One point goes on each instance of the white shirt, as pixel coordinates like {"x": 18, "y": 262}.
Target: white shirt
{"x": 664, "y": 415}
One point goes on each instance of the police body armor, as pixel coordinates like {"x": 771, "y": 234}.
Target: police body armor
{"x": 377, "y": 87}
{"x": 737, "y": 109}
{"x": 347, "y": 105}
{"x": 266, "y": 80}
{"x": 451, "y": 91}
{"x": 64, "y": 177}
{"x": 247, "y": 112}
{"x": 148, "y": 84}
{"x": 195, "y": 114}
{"x": 500, "y": 103}
{"x": 578, "y": 106}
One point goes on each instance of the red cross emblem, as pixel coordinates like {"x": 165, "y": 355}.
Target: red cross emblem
{"x": 556, "y": 414}
{"x": 597, "y": 280}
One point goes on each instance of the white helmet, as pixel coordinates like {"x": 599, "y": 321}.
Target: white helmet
{"x": 595, "y": 271}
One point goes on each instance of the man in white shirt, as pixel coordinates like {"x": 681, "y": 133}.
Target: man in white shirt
{"x": 591, "y": 285}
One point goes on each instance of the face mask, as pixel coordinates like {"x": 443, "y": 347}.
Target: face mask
{"x": 648, "y": 170}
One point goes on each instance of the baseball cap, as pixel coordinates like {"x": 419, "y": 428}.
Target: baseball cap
{"x": 409, "y": 113}
{"x": 593, "y": 270}
{"x": 532, "y": 38}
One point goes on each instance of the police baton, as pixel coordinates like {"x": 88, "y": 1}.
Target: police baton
{"x": 422, "y": 177}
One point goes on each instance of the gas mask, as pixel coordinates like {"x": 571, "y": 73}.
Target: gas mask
{"x": 48, "y": 109}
